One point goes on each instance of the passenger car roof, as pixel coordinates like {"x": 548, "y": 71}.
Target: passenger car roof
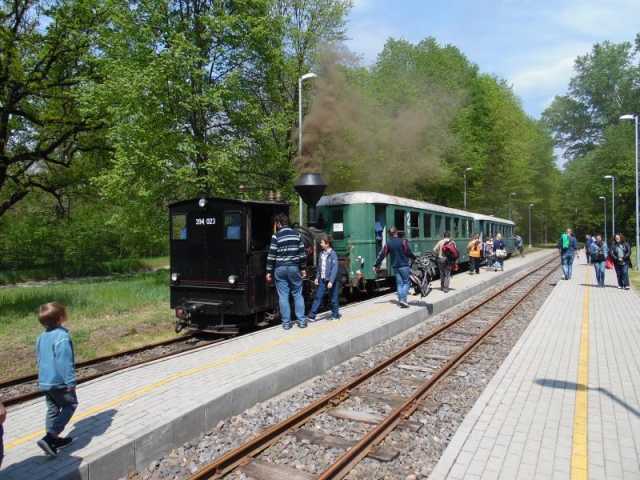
{"x": 351, "y": 198}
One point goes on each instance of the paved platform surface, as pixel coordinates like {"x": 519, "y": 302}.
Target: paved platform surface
{"x": 565, "y": 404}
{"x": 126, "y": 420}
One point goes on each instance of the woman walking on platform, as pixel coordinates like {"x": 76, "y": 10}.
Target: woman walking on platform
{"x": 621, "y": 254}
{"x": 599, "y": 253}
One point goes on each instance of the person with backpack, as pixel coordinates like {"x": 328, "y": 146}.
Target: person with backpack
{"x": 500, "y": 251}
{"x": 587, "y": 248}
{"x": 400, "y": 254}
{"x": 567, "y": 246}
{"x": 474, "y": 249}
{"x": 621, "y": 255}
{"x": 599, "y": 253}
{"x": 447, "y": 254}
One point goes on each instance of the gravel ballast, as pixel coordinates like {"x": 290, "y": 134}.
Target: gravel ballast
{"x": 418, "y": 452}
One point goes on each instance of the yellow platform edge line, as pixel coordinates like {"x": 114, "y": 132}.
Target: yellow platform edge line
{"x": 580, "y": 449}
{"x": 216, "y": 364}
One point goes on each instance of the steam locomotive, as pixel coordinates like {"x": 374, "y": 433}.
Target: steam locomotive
{"x": 218, "y": 249}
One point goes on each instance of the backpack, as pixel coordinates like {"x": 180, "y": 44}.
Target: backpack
{"x": 450, "y": 251}
{"x": 565, "y": 241}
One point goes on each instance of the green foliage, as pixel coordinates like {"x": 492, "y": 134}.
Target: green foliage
{"x": 585, "y": 122}
{"x": 46, "y": 63}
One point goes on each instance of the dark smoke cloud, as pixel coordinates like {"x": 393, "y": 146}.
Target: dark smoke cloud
{"x": 367, "y": 140}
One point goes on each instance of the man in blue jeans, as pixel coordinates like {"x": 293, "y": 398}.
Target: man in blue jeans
{"x": 400, "y": 254}
{"x": 286, "y": 261}
{"x": 567, "y": 246}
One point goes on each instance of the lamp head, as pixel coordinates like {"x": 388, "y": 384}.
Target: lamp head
{"x": 513, "y": 194}
{"x": 531, "y": 205}
{"x": 628, "y": 117}
{"x": 608, "y": 177}
{"x": 308, "y": 75}
{"x": 468, "y": 169}
{"x": 602, "y": 198}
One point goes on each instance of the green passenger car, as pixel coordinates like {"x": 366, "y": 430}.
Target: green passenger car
{"x": 358, "y": 223}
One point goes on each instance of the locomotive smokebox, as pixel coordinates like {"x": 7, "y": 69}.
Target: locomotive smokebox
{"x": 310, "y": 186}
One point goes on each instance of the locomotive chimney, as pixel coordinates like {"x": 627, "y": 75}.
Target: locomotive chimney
{"x": 310, "y": 187}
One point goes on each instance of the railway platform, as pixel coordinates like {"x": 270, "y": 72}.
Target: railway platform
{"x": 128, "y": 419}
{"x": 565, "y": 404}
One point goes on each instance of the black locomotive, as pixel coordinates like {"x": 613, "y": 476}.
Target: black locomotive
{"x": 218, "y": 251}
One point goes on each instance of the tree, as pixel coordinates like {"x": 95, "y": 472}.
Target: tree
{"x": 604, "y": 87}
{"x": 46, "y": 62}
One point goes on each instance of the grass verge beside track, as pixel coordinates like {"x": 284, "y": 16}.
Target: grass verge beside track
{"x": 634, "y": 274}
{"x": 105, "y": 316}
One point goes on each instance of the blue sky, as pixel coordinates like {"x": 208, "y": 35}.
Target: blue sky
{"x": 531, "y": 44}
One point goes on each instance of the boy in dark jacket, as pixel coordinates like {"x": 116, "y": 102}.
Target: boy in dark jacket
{"x": 326, "y": 280}
{"x": 56, "y": 376}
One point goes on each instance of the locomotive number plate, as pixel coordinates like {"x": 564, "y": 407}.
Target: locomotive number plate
{"x": 206, "y": 221}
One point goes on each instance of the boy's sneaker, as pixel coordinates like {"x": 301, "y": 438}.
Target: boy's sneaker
{"x": 47, "y": 444}
{"x": 335, "y": 318}
{"x": 311, "y": 318}
{"x": 302, "y": 324}
{"x": 287, "y": 326}
{"x": 62, "y": 442}
{"x": 404, "y": 304}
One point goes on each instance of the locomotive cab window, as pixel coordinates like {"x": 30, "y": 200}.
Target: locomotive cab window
{"x": 232, "y": 225}
{"x": 414, "y": 225}
{"x": 179, "y": 226}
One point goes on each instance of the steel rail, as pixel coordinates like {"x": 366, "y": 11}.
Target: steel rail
{"x": 347, "y": 461}
{"x": 17, "y": 399}
{"x": 242, "y": 454}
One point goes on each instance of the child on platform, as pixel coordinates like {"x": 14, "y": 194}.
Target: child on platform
{"x": 56, "y": 376}
{"x": 327, "y": 280}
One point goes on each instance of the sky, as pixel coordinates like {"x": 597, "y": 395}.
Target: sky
{"x": 531, "y": 44}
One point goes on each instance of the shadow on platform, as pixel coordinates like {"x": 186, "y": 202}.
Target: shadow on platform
{"x": 594, "y": 285}
{"x": 83, "y": 432}
{"x": 547, "y": 382}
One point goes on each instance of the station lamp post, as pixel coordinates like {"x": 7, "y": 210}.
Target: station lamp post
{"x": 613, "y": 203}
{"x": 530, "y": 207}
{"x": 604, "y": 202}
{"x": 300, "y": 80}
{"x": 511, "y": 195}
{"x": 635, "y": 119}
{"x": 468, "y": 169}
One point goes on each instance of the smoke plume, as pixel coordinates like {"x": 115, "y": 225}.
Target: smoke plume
{"x": 367, "y": 130}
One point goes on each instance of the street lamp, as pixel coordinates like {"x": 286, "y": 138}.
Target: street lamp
{"x": 511, "y": 195}
{"x": 530, "y": 207}
{"x": 604, "y": 202}
{"x": 468, "y": 169}
{"x": 635, "y": 118}
{"x": 300, "y": 80}
{"x": 613, "y": 203}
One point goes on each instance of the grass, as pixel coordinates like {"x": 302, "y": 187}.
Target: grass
{"x": 124, "y": 266}
{"x": 105, "y": 316}
{"x": 634, "y": 274}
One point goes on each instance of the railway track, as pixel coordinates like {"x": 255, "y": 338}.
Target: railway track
{"x": 22, "y": 389}
{"x": 378, "y": 401}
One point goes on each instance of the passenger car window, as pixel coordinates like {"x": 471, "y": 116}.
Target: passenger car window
{"x": 415, "y": 225}
{"x": 427, "y": 225}
{"x": 232, "y": 226}
{"x": 179, "y": 227}
{"x": 337, "y": 224}
{"x": 438, "y": 227}
{"x": 398, "y": 220}
{"x": 447, "y": 225}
